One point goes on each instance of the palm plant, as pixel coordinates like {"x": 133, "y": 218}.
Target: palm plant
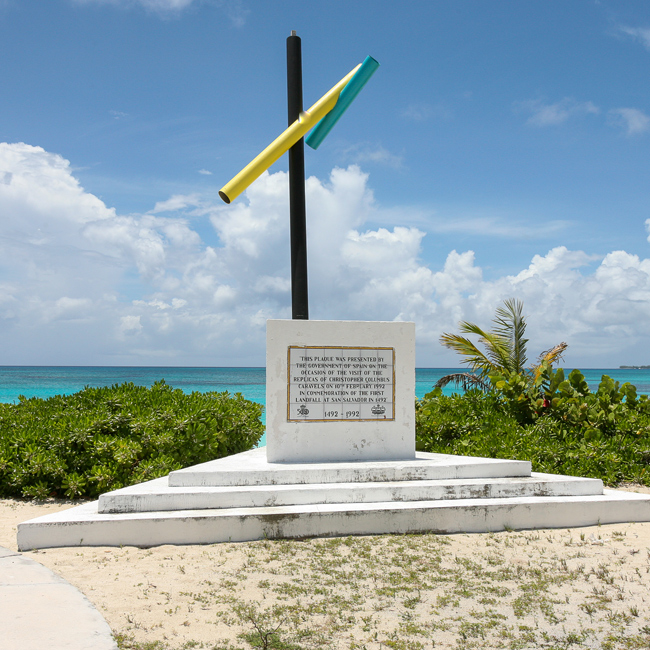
{"x": 505, "y": 347}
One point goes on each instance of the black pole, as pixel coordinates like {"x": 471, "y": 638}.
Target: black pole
{"x": 297, "y": 209}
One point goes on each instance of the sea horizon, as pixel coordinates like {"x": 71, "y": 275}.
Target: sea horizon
{"x": 86, "y": 365}
{"x": 48, "y": 380}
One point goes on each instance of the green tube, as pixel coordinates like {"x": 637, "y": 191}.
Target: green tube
{"x": 351, "y": 90}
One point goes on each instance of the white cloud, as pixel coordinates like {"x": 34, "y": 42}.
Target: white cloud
{"x": 130, "y": 324}
{"x": 66, "y": 308}
{"x": 42, "y": 183}
{"x": 155, "y": 5}
{"x": 638, "y": 33}
{"x": 233, "y": 9}
{"x": 82, "y": 284}
{"x": 495, "y": 226}
{"x": 633, "y": 120}
{"x": 177, "y": 202}
{"x": 418, "y": 112}
{"x": 205, "y": 172}
{"x": 543, "y": 114}
{"x": 366, "y": 152}
{"x": 421, "y": 112}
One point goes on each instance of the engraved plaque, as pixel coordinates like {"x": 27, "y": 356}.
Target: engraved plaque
{"x": 330, "y": 384}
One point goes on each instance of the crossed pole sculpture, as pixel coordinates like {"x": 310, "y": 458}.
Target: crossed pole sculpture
{"x": 320, "y": 117}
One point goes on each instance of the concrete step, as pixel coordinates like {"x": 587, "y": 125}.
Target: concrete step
{"x": 157, "y": 495}
{"x": 252, "y": 468}
{"x": 85, "y": 525}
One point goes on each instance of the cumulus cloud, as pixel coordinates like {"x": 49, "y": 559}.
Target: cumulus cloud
{"x": 80, "y": 283}
{"x": 42, "y": 183}
{"x": 632, "y": 120}
{"x": 543, "y": 114}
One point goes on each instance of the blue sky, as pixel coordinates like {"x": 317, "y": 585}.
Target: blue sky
{"x": 501, "y": 150}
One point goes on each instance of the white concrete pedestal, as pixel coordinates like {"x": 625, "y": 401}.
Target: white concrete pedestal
{"x": 339, "y": 390}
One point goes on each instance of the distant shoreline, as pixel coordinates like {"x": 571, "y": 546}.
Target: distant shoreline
{"x": 634, "y": 367}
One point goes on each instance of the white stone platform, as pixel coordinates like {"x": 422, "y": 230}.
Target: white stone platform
{"x": 252, "y": 468}
{"x": 244, "y": 497}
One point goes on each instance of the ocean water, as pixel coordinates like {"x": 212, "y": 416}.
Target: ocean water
{"x": 46, "y": 381}
{"x": 425, "y": 378}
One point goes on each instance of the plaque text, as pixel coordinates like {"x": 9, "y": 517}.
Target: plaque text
{"x": 340, "y": 383}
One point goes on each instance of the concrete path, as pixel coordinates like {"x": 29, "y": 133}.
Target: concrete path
{"x": 41, "y": 611}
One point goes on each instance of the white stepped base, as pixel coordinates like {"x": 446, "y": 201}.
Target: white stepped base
{"x": 243, "y": 497}
{"x": 252, "y": 468}
{"x": 157, "y": 495}
{"x": 84, "y": 525}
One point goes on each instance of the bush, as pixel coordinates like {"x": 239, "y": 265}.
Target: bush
{"x": 559, "y": 425}
{"x": 101, "y": 439}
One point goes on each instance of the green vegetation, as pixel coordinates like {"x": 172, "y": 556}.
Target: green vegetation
{"x": 505, "y": 349}
{"x": 568, "y": 430}
{"x": 101, "y": 439}
{"x": 535, "y": 414}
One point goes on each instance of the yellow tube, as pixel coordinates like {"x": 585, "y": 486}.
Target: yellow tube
{"x": 308, "y": 119}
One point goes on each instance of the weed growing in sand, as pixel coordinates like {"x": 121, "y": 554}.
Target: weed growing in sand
{"x": 416, "y": 592}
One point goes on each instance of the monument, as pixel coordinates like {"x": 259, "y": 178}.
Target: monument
{"x": 340, "y": 456}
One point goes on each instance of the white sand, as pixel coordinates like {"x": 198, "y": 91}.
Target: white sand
{"x": 585, "y": 587}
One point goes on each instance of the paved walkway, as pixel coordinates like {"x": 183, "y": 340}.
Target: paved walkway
{"x": 39, "y": 610}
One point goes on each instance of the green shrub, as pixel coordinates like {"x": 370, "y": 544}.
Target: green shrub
{"x": 558, "y": 424}
{"x": 101, "y": 439}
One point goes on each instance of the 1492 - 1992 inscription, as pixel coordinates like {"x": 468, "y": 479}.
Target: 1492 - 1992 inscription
{"x": 327, "y": 384}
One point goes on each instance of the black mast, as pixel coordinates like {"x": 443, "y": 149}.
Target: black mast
{"x": 297, "y": 209}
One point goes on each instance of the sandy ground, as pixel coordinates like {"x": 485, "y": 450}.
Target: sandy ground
{"x": 583, "y": 588}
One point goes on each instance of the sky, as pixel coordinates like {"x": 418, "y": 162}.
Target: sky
{"x": 501, "y": 150}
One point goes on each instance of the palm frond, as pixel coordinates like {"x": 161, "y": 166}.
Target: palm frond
{"x": 471, "y": 328}
{"x": 550, "y": 356}
{"x": 510, "y": 323}
{"x": 465, "y": 380}
{"x": 553, "y": 354}
{"x": 473, "y": 357}
{"x": 497, "y": 348}
{"x": 505, "y": 345}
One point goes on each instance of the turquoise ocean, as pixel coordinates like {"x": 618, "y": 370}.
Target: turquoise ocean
{"x": 46, "y": 381}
